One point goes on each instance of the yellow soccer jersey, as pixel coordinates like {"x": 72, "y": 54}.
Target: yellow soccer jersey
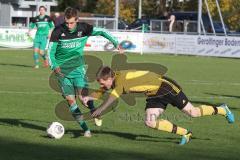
{"x": 133, "y": 81}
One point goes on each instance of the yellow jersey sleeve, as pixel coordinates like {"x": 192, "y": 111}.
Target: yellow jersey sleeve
{"x": 119, "y": 85}
{"x": 98, "y": 94}
{"x": 117, "y": 92}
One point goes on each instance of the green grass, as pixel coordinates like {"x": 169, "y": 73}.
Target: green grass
{"x": 28, "y": 106}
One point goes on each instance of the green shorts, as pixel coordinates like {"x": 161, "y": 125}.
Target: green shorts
{"x": 40, "y": 42}
{"x": 69, "y": 86}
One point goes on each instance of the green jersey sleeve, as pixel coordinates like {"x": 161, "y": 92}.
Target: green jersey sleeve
{"x": 102, "y": 32}
{"x": 32, "y": 24}
{"x": 51, "y": 24}
{"x": 52, "y": 49}
{"x": 51, "y": 52}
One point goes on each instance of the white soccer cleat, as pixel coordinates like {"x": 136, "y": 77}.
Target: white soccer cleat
{"x": 87, "y": 134}
{"x": 98, "y": 122}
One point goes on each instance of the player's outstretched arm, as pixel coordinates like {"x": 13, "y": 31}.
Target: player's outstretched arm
{"x": 104, "y": 106}
{"x": 51, "y": 26}
{"x": 93, "y": 96}
{"x": 32, "y": 25}
{"x": 104, "y": 33}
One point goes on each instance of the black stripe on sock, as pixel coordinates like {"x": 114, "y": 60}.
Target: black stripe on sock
{"x": 174, "y": 130}
{"x": 215, "y": 110}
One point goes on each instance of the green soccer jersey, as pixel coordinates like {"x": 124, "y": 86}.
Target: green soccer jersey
{"x": 66, "y": 47}
{"x": 43, "y": 24}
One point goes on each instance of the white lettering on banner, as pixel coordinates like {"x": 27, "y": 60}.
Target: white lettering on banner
{"x": 232, "y": 42}
{"x": 210, "y": 41}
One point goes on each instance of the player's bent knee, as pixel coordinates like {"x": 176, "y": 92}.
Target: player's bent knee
{"x": 151, "y": 124}
{"x": 195, "y": 113}
{"x": 70, "y": 101}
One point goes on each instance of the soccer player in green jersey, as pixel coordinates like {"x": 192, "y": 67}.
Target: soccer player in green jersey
{"x": 160, "y": 92}
{"x": 44, "y": 26}
{"x": 66, "y": 59}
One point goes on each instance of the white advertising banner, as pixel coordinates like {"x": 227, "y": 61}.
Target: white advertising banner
{"x": 15, "y": 38}
{"x": 220, "y": 46}
{"x": 130, "y": 41}
{"x": 159, "y": 43}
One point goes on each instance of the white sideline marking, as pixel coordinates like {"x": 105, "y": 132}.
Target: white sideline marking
{"x": 55, "y": 93}
{"x": 190, "y": 82}
{"x": 23, "y": 92}
{"x": 200, "y": 82}
{"x": 194, "y": 82}
{"x": 24, "y": 78}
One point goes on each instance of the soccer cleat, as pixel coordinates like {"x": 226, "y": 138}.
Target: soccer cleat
{"x": 229, "y": 114}
{"x": 36, "y": 67}
{"x": 98, "y": 122}
{"x": 45, "y": 63}
{"x": 186, "y": 138}
{"x": 87, "y": 134}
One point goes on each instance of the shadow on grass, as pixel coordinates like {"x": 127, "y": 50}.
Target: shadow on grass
{"x": 22, "y": 123}
{"x": 78, "y": 132}
{"x": 131, "y": 136}
{"x": 15, "y": 65}
{"x": 11, "y": 149}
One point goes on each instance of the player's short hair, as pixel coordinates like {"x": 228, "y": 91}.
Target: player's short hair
{"x": 104, "y": 73}
{"x": 70, "y": 13}
{"x": 43, "y": 8}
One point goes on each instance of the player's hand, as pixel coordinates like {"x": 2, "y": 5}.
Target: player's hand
{"x": 120, "y": 49}
{"x": 98, "y": 112}
{"x": 58, "y": 71}
{"x": 86, "y": 99}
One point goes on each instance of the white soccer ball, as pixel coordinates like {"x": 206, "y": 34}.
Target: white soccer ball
{"x": 55, "y": 130}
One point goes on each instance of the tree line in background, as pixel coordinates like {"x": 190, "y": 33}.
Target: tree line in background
{"x": 156, "y": 8}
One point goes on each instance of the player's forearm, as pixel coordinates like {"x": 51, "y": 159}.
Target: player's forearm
{"x": 108, "y": 102}
{"x": 51, "y": 52}
{"x": 105, "y": 34}
{"x": 51, "y": 25}
{"x": 49, "y": 33}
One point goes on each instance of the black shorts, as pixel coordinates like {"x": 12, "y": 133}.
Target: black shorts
{"x": 168, "y": 93}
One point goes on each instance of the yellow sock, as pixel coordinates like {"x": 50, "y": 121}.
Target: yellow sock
{"x": 210, "y": 110}
{"x": 221, "y": 111}
{"x": 167, "y": 126}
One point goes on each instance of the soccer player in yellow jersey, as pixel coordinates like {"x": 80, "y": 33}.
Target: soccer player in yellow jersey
{"x": 160, "y": 92}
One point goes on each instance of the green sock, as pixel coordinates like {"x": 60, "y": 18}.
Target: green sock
{"x": 83, "y": 125}
{"x": 35, "y": 58}
{"x": 77, "y": 115}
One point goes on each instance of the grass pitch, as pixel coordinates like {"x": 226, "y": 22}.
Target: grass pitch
{"x": 28, "y": 104}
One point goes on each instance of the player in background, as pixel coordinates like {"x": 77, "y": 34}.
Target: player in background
{"x": 66, "y": 60}
{"x": 160, "y": 92}
{"x": 44, "y": 26}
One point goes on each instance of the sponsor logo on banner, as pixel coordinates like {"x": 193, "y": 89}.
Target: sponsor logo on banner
{"x": 16, "y": 38}
{"x": 157, "y": 42}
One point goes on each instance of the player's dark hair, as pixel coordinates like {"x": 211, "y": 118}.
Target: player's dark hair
{"x": 43, "y": 8}
{"x": 104, "y": 73}
{"x": 71, "y": 12}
